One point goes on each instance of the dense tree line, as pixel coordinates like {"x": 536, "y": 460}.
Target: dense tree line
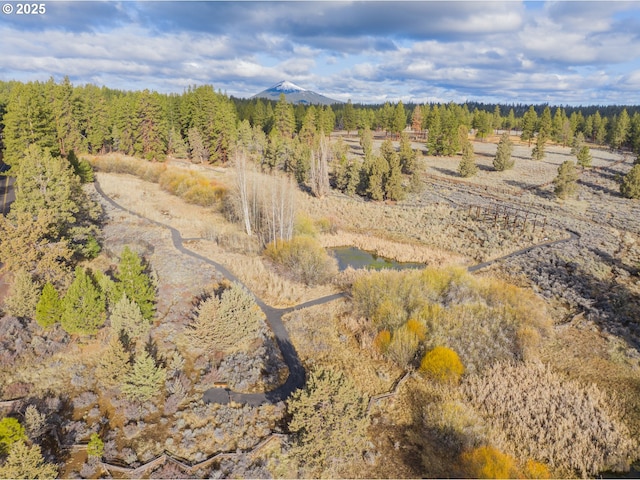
{"x": 61, "y": 117}
{"x": 203, "y": 124}
{"x": 207, "y": 126}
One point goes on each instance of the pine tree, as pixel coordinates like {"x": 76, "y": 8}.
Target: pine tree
{"x": 150, "y": 141}
{"x": 24, "y": 461}
{"x": 51, "y": 214}
{"x": 565, "y": 184}
{"x": 127, "y": 319}
{"x": 135, "y": 283}
{"x": 83, "y": 306}
{"x": 599, "y": 128}
{"x": 393, "y": 189}
{"x": 584, "y": 157}
{"x": 309, "y": 129}
{"x": 28, "y": 121}
{"x": 376, "y": 171}
{"x": 285, "y": 122}
{"x": 353, "y": 178}
{"x": 366, "y": 142}
{"x": 482, "y": 122}
{"x": 349, "y": 117}
{"x": 48, "y": 309}
{"x": 144, "y": 380}
{"x": 467, "y": 167}
{"x": 81, "y": 168}
{"x": 26, "y": 243}
{"x": 577, "y": 144}
{"x": 328, "y": 421}
{"x": 386, "y": 116}
{"x": 97, "y": 120}
{"x": 35, "y": 422}
{"x": 45, "y": 183}
{"x": 510, "y": 122}
{"x": 114, "y": 364}
{"x": 529, "y": 122}
{"x": 125, "y": 123}
{"x": 203, "y": 332}
{"x": 23, "y": 296}
{"x": 538, "y": 152}
{"x": 222, "y": 131}
{"x": 399, "y": 122}
{"x": 434, "y": 131}
{"x": 327, "y": 120}
{"x": 407, "y": 155}
{"x": 545, "y": 127}
{"x": 503, "y": 160}
{"x": 199, "y": 153}
{"x": 176, "y": 145}
{"x": 228, "y": 323}
{"x": 67, "y": 109}
{"x": 620, "y": 130}
{"x": 630, "y": 187}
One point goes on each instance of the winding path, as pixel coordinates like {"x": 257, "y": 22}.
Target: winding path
{"x": 572, "y": 236}
{"x": 297, "y": 374}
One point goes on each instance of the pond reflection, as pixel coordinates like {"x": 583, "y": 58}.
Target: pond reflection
{"x": 356, "y": 258}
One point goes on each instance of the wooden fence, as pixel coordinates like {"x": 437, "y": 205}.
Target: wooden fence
{"x": 509, "y": 218}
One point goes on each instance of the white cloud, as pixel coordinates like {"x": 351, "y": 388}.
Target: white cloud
{"x": 367, "y": 51}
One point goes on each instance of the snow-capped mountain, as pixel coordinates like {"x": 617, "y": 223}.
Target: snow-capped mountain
{"x": 295, "y": 94}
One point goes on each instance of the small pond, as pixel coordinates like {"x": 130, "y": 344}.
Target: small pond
{"x": 356, "y": 258}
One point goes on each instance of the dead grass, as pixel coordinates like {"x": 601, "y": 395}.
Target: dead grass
{"x": 261, "y": 279}
{"x": 323, "y": 336}
{"x": 434, "y": 231}
{"x": 402, "y": 252}
{"x": 149, "y": 200}
{"x": 583, "y": 353}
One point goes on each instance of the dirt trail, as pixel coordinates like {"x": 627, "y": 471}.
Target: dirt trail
{"x": 572, "y": 236}
{"x": 297, "y": 374}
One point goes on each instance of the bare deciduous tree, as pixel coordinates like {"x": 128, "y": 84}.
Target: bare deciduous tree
{"x": 243, "y": 185}
{"x": 319, "y": 171}
{"x": 264, "y": 204}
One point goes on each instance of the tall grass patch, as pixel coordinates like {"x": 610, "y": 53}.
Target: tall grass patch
{"x": 190, "y": 186}
{"x": 535, "y": 413}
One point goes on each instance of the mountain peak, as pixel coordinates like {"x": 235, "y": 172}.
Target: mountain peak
{"x": 295, "y": 94}
{"x": 286, "y": 86}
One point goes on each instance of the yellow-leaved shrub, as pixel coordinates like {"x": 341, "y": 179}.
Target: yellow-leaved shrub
{"x": 382, "y": 341}
{"x": 534, "y": 469}
{"x": 489, "y": 462}
{"x": 442, "y": 364}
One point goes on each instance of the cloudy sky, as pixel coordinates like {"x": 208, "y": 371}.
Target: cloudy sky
{"x": 569, "y": 52}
